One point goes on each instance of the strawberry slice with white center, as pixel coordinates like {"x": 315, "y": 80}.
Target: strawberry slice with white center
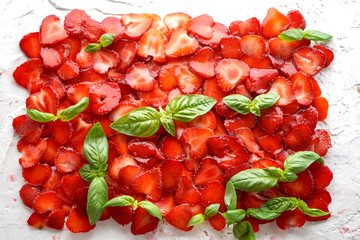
{"x": 209, "y": 170}
{"x": 284, "y": 88}
{"x": 231, "y": 72}
{"x": 283, "y": 49}
{"x": 119, "y": 163}
{"x": 152, "y": 44}
{"x": 31, "y": 152}
{"x": 309, "y": 60}
{"x": 78, "y": 91}
{"x": 67, "y": 160}
{"x": 159, "y": 25}
{"x": 197, "y": 138}
{"x": 187, "y": 81}
{"x": 208, "y": 120}
{"x": 127, "y": 51}
{"x": 274, "y": 23}
{"x": 203, "y": 62}
{"x": 180, "y": 44}
{"x": 253, "y": 46}
{"x": 115, "y": 26}
{"x": 54, "y": 55}
{"x": 219, "y": 31}
{"x": 44, "y": 101}
{"x": 302, "y": 88}
{"x": 30, "y": 45}
{"x": 136, "y": 24}
{"x": 202, "y": 26}
{"x": 139, "y": 78}
{"x": 83, "y": 58}
{"x": 28, "y": 75}
{"x": 51, "y": 30}
{"x": 177, "y": 20}
{"x": 149, "y": 183}
{"x": 103, "y": 60}
{"x": 104, "y": 97}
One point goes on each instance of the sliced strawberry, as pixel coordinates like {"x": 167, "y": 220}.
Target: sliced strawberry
{"x": 271, "y": 119}
{"x": 297, "y": 20}
{"x": 267, "y": 162}
{"x": 176, "y": 20}
{"x": 59, "y": 190}
{"x": 149, "y": 183}
{"x": 62, "y": 131}
{"x": 78, "y": 222}
{"x": 274, "y": 23}
{"x": 121, "y": 142}
{"x": 309, "y": 60}
{"x": 126, "y": 175}
{"x": 103, "y": 60}
{"x": 28, "y": 194}
{"x": 322, "y": 194}
{"x": 139, "y": 78}
{"x": 208, "y": 170}
{"x": 117, "y": 77}
{"x": 44, "y": 101}
{"x": 73, "y": 21}
{"x": 83, "y": 57}
{"x": 249, "y": 27}
{"x": 31, "y": 152}
{"x": 143, "y": 222}
{"x": 115, "y": 26}
{"x": 288, "y": 219}
{"x": 54, "y": 181}
{"x": 218, "y": 222}
{"x": 302, "y": 187}
{"x": 92, "y": 29}
{"x": 155, "y": 97}
{"x": 37, "y": 175}
{"x": 247, "y": 138}
{"x": 329, "y": 55}
{"x": 197, "y": 137}
{"x": 253, "y": 199}
{"x": 27, "y": 128}
{"x": 187, "y": 192}
{"x": 51, "y": 30}
{"x": 207, "y": 120}
{"x": 323, "y": 176}
{"x": 68, "y": 70}
{"x": 28, "y": 75}
{"x": 284, "y": 88}
{"x": 30, "y": 45}
{"x": 142, "y": 150}
{"x": 37, "y": 220}
{"x": 316, "y": 88}
{"x": 260, "y": 80}
{"x": 180, "y": 44}
{"x": 122, "y": 109}
{"x": 187, "y": 81}
{"x": 53, "y": 55}
{"x": 298, "y": 138}
{"x": 166, "y": 203}
{"x": 56, "y": 219}
{"x": 201, "y": 25}
{"x": 241, "y": 121}
{"x": 67, "y": 160}
{"x": 78, "y": 91}
{"x": 318, "y": 204}
{"x": 284, "y": 49}
{"x": 289, "y": 68}
{"x": 322, "y": 106}
{"x": 56, "y": 84}
{"x": 180, "y": 216}
{"x": 136, "y": 24}
{"x": 307, "y": 116}
{"x": 71, "y": 183}
{"x": 170, "y": 173}
{"x": 167, "y": 80}
{"x": 324, "y": 142}
{"x": 122, "y": 215}
{"x": 158, "y": 24}
{"x": 152, "y": 45}
{"x": 46, "y": 201}
{"x": 219, "y": 31}
{"x": 253, "y": 46}
{"x": 171, "y": 148}
{"x": 126, "y": 51}
{"x": 202, "y": 62}
{"x": 271, "y": 143}
{"x": 230, "y": 47}
{"x": 120, "y": 163}
{"x": 231, "y": 72}
{"x": 90, "y": 75}
{"x": 104, "y": 97}
{"x": 213, "y": 193}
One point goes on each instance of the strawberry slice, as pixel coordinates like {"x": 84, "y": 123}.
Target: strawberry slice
{"x": 322, "y": 106}
{"x": 171, "y": 148}
{"x": 119, "y": 163}
{"x": 180, "y": 44}
{"x": 271, "y": 143}
{"x": 166, "y": 203}
{"x": 152, "y": 45}
{"x": 309, "y": 60}
{"x": 218, "y": 222}
{"x": 136, "y": 24}
{"x": 231, "y": 72}
{"x": 78, "y": 91}
{"x": 126, "y": 175}
{"x": 322, "y": 194}
{"x": 92, "y": 30}
{"x": 143, "y": 222}
{"x": 249, "y": 27}
{"x": 53, "y": 55}
{"x": 37, "y": 175}
{"x": 67, "y": 160}
{"x": 202, "y": 62}
{"x": 78, "y": 222}
{"x": 167, "y": 80}
{"x": 180, "y": 216}
{"x": 122, "y": 109}
{"x": 122, "y": 215}
{"x": 234, "y": 123}
{"x": 324, "y": 142}
{"x": 211, "y": 89}
{"x": 208, "y": 170}
{"x": 248, "y": 140}
{"x": 83, "y": 58}
{"x": 68, "y": 70}
{"x": 139, "y": 78}
{"x": 37, "y": 220}
{"x": 297, "y": 20}
{"x": 44, "y": 101}
{"x": 202, "y": 26}
{"x": 62, "y": 131}
{"x": 318, "y": 204}
{"x": 57, "y": 86}
{"x": 103, "y": 60}
{"x": 208, "y": 120}
{"x": 143, "y": 150}
{"x": 213, "y": 193}
{"x": 260, "y": 80}
{"x": 271, "y": 119}
{"x": 31, "y": 152}
{"x": 90, "y": 75}
{"x": 71, "y": 183}
{"x": 115, "y": 26}
{"x": 289, "y": 219}
{"x": 187, "y": 192}
{"x": 54, "y": 181}
{"x": 253, "y": 199}
{"x": 284, "y": 49}
{"x": 149, "y": 183}
{"x": 323, "y": 176}
{"x": 27, "y": 128}
{"x": 46, "y": 201}
{"x": 30, "y": 45}
{"x": 253, "y": 46}
{"x": 28, "y": 193}
{"x": 230, "y": 47}
{"x": 73, "y": 21}
{"x": 302, "y": 88}
{"x": 196, "y": 138}
{"x": 51, "y": 30}
{"x": 267, "y": 162}
{"x": 177, "y": 20}
{"x": 121, "y": 143}
{"x": 28, "y": 75}
{"x": 302, "y": 187}
{"x": 158, "y": 24}
{"x": 298, "y": 138}
{"x": 104, "y": 97}
{"x": 170, "y": 174}
{"x": 274, "y": 23}
{"x": 284, "y": 88}
{"x": 289, "y": 68}
{"x": 219, "y": 31}
{"x": 56, "y": 219}
{"x": 307, "y": 116}
{"x": 187, "y": 81}
{"x": 316, "y": 87}
{"x": 329, "y": 55}
{"x": 126, "y": 51}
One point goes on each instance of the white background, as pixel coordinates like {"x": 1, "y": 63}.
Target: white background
{"x": 338, "y": 83}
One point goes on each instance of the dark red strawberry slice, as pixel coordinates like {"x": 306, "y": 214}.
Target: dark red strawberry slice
{"x": 289, "y": 219}
{"x": 253, "y": 46}
{"x": 122, "y": 215}
{"x": 196, "y": 138}
{"x": 28, "y": 194}
{"x": 271, "y": 119}
{"x": 171, "y": 148}
{"x": 309, "y": 60}
{"x": 149, "y": 183}
{"x": 152, "y": 45}
{"x": 240, "y": 121}
{"x": 171, "y": 172}
{"x": 30, "y": 45}
{"x": 247, "y": 138}
{"x": 139, "y": 78}
{"x": 260, "y": 80}
{"x": 297, "y": 20}
{"x": 271, "y": 143}
{"x": 37, "y": 175}
{"x": 56, "y": 219}
{"x": 68, "y": 70}
{"x": 318, "y": 204}
{"x": 208, "y": 170}
{"x": 307, "y": 116}
{"x": 28, "y": 75}
{"x": 230, "y": 47}
{"x": 180, "y": 44}
{"x": 187, "y": 81}
{"x": 249, "y": 27}
{"x": 92, "y": 29}
{"x": 213, "y": 193}
{"x": 322, "y": 106}
{"x": 284, "y": 49}
{"x": 176, "y": 20}
{"x": 143, "y": 222}
{"x": 274, "y": 23}
{"x": 187, "y": 192}
{"x": 202, "y": 62}
{"x": 54, "y": 181}
{"x": 27, "y": 128}
{"x": 324, "y": 142}
{"x": 31, "y": 152}
{"x": 104, "y": 97}
{"x": 323, "y": 176}
{"x": 78, "y": 222}
{"x": 322, "y": 194}
{"x": 46, "y": 201}
{"x": 37, "y": 220}
{"x": 180, "y": 216}
{"x": 73, "y": 21}
{"x": 202, "y": 26}
{"x": 143, "y": 150}
{"x": 298, "y": 138}
{"x": 51, "y": 30}
{"x": 103, "y": 60}
{"x": 231, "y": 72}
{"x": 329, "y": 55}
{"x": 302, "y": 187}
{"x": 284, "y": 88}
{"x": 126, "y": 175}
{"x": 253, "y": 199}
{"x": 67, "y": 160}
{"x": 62, "y": 131}
{"x": 44, "y": 101}
{"x": 115, "y": 26}
{"x": 252, "y": 62}
{"x": 136, "y": 24}
{"x": 218, "y": 222}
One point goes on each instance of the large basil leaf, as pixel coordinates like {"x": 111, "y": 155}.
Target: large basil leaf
{"x": 317, "y": 35}
{"x": 292, "y": 35}
{"x": 267, "y": 100}
{"x": 106, "y": 39}
{"x": 40, "y": 116}
{"x": 243, "y": 231}
{"x": 238, "y": 103}
{"x": 262, "y": 215}
{"x": 121, "y": 201}
{"x": 97, "y": 197}
{"x": 73, "y": 111}
{"x": 230, "y": 197}
{"x": 280, "y": 204}
{"x": 301, "y": 160}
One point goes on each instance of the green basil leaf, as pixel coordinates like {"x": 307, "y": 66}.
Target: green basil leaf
{"x": 211, "y": 210}
{"x": 292, "y": 35}
{"x": 141, "y": 122}
{"x": 93, "y": 47}
{"x": 73, "y": 111}
{"x": 40, "y": 116}
{"x": 97, "y": 197}
{"x": 121, "y": 201}
{"x": 96, "y": 147}
{"x": 317, "y": 35}
{"x": 312, "y": 212}
{"x": 243, "y": 231}
{"x": 87, "y": 173}
{"x": 254, "y": 109}
{"x": 275, "y": 171}
{"x": 238, "y": 103}
{"x": 266, "y": 100}
{"x": 280, "y": 204}
{"x": 233, "y": 216}
{"x": 185, "y": 108}
{"x": 168, "y": 124}
{"x": 262, "y": 215}
{"x": 230, "y": 197}
{"x": 152, "y": 209}
{"x": 288, "y": 177}
{"x": 254, "y": 180}
{"x": 301, "y": 160}
{"x": 197, "y": 219}
{"x": 107, "y": 39}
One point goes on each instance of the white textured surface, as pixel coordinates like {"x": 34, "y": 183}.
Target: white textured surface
{"x": 338, "y": 83}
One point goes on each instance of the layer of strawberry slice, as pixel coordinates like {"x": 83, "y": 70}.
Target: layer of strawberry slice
{"x": 201, "y": 25}
{"x": 78, "y": 222}
{"x": 28, "y": 75}
{"x": 67, "y": 160}
{"x": 176, "y": 20}
{"x": 73, "y": 20}
{"x": 248, "y": 27}
{"x": 171, "y": 172}
{"x": 213, "y": 193}
{"x": 44, "y": 101}
{"x": 152, "y": 45}
{"x": 113, "y": 25}
{"x": 297, "y": 20}
{"x": 274, "y": 23}
{"x": 28, "y": 193}
{"x": 187, "y": 192}
{"x": 104, "y": 97}
{"x": 30, "y": 45}
{"x": 253, "y": 46}
{"x": 136, "y": 24}
{"x": 299, "y": 137}
{"x": 208, "y": 170}
{"x": 259, "y": 80}
{"x": 149, "y": 183}
{"x": 288, "y": 219}
{"x": 203, "y": 63}
{"x": 37, "y": 220}
{"x": 180, "y": 44}
{"x": 180, "y": 216}
{"x": 139, "y": 77}
{"x": 302, "y": 187}
{"x": 230, "y": 47}
{"x": 309, "y": 60}
{"x": 27, "y": 128}
{"x": 231, "y": 72}
{"x": 196, "y": 138}
{"x": 187, "y": 81}
{"x": 103, "y": 60}
{"x": 51, "y": 30}
{"x": 31, "y": 152}
{"x": 284, "y": 88}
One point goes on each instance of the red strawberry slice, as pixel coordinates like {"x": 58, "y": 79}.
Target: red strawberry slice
{"x": 28, "y": 75}
{"x": 202, "y": 62}
{"x": 167, "y": 80}
{"x": 260, "y": 80}
{"x": 218, "y": 222}
{"x": 274, "y": 23}
{"x": 298, "y": 138}
{"x": 284, "y": 49}
{"x": 329, "y": 55}
{"x": 104, "y": 97}
{"x": 249, "y": 27}
{"x": 27, "y": 128}
{"x": 115, "y": 26}
{"x": 302, "y": 187}
{"x": 143, "y": 150}
{"x": 170, "y": 173}
{"x": 51, "y": 30}
{"x": 241, "y": 121}
{"x": 28, "y": 193}
{"x": 31, "y": 152}
{"x": 117, "y": 77}
{"x": 176, "y": 20}
{"x": 180, "y": 44}
{"x": 120, "y": 163}
{"x": 103, "y": 60}
{"x": 213, "y": 193}
{"x": 289, "y": 219}
{"x": 68, "y": 70}
{"x": 201, "y": 25}
{"x": 276, "y": 62}
{"x": 284, "y": 88}
{"x": 271, "y": 119}
{"x": 57, "y": 86}
{"x": 271, "y": 143}
{"x": 180, "y": 216}
{"x": 62, "y": 195}
{"x": 248, "y": 140}
{"x": 78, "y": 91}
{"x": 143, "y": 222}
{"x": 196, "y": 138}
{"x": 37, "y": 220}
{"x": 173, "y": 94}
{"x": 149, "y": 183}
{"x": 122, "y": 109}
{"x": 53, "y": 55}
{"x": 90, "y": 75}
{"x": 309, "y": 60}
{"x": 152, "y": 45}
{"x": 219, "y": 31}
{"x": 126, "y": 175}
{"x": 187, "y": 192}
{"x": 44, "y": 101}
{"x": 211, "y": 89}
{"x": 121, "y": 143}
{"x": 267, "y": 162}
{"x": 92, "y": 29}
{"x": 253, "y": 46}
{"x": 187, "y": 81}
{"x": 230, "y": 47}
{"x": 297, "y": 20}
{"x": 166, "y": 203}
{"x": 322, "y": 106}
{"x": 171, "y": 148}
{"x": 126, "y": 51}
{"x": 67, "y": 160}
{"x": 291, "y": 108}
{"x": 30, "y": 45}
{"x": 46, "y": 201}
{"x": 159, "y": 24}
{"x": 307, "y": 116}
{"x": 78, "y": 222}
{"x": 155, "y": 97}
{"x": 231, "y": 72}
{"x": 253, "y": 199}
{"x": 62, "y": 131}
{"x": 136, "y": 24}
{"x": 71, "y": 183}
{"x": 208, "y": 170}
{"x": 37, "y": 175}
{"x": 83, "y": 57}
{"x": 122, "y": 215}
{"x": 139, "y": 78}
{"x": 56, "y": 219}
{"x": 323, "y": 176}
{"x": 54, "y": 181}
{"x": 207, "y": 120}
{"x": 322, "y": 194}
{"x": 73, "y": 21}
{"x": 318, "y": 204}
{"x": 289, "y": 68}
{"x": 324, "y": 142}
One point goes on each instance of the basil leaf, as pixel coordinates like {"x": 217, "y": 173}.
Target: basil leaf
{"x": 97, "y": 197}
{"x": 151, "y": 208}
{"x": 267, "y": 100}
{"x": 254, "y": 109}
{"x": 288, "y": 177}
{"x": 238, "y": 103}
{"x": 280, "y": 204}
{"x": 168, "y": 124}
{"x": 211, "y": 210}
{"x": 93, "y": 47}
{"x": 107, "y": 39}
{"x": 230, "y": 197}
{"x": 73, "y": 111}
{"x": 185, "y": 108}
{"x": 198, "y": 218}
{"x": 254, "y": 180}
{"x": 262, "y": 215}
{"x": 275, "y": 171}
{"x": 96, "y": 147}
{"x": 317, "y": 35}
{"x": 233, "y": 216}
{"x": 87, "y": 173}
{"x": 301, "y": 160}
{"x": 40, "y": 116}
{"x": 312, "y": 212}
{"x": 292, "y": 35}
{"x": 243, "y": 231}
{"x": 141, "y": 122}
{"x": 121, "y": 201}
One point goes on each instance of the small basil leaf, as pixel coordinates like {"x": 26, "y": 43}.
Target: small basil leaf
{"x": 312, "y": 212}
{"x": 97, "y": 197}
{"x": 275, "y": 171}
{"x": 267, "y": 100}
{"x": 262, "y": 215}
{"x": 254, "y": 180}
{"x": 233, "y": 216}
{"x": 141, "y": 122}
{"x": 238, "y": 103}
{"x": 96, "y": 147}
{"x": 185, "y": 108}
{"x": 243, "y": 231}
{"x": 151, "y": 208}
{"x": 292, "y": 35}
{"x": 211, "y": 210}
{"x": 73, "y": 111}
{"x": 288, "y": 177}
{"x": 254, "y": 109}
{"x": 107, "y": 39}
{"x": 301, "y": 160}
{"x": 230, "y": 197}
{"x": 197, "y": 219}
{"x": 121, "y": 201}
{"x": 168, "y": 124}
{"x": 280, "y": 204}
{"x": 87, "y": 173}
{"x": 93, "y": 47}
{"x": 40, "y": 116}
{"x": 317, "y": 35}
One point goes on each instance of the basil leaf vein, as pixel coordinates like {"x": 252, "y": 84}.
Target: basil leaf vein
{"x": 96, "y": 147}
{"x": 97, "y": 197}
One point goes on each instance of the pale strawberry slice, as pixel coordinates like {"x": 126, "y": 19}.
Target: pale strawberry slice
{"x": 247, "y": 138}
{"x": 78, "y": 222}
{"x": 271, "y": 119}
{"x": 37, "y": 220}
{"x": 187, "y": 81}
{"x": 284, "y": 49}
{"x": 180, "y": 216}
{"x": 329, "y": 55}
{"x": 208, "y": 120}
{"x": 260, "y": 80}
{"x": 171, "y": 148}
{"x": 177, "y": 20}
{"x": 27, "y": 128}
{"x": 249, "y": 27}
{"x": 119, "y": 163}
{"x": 143, "y": 222}
{"x": 83, "y": 57}
{"x": 46, "y": 201}
{"x": 155, "y": 97}
{"x": 202, "y": 26}
{"x": 298, "y": 138}
{"x": 213, "y": 193}
{"x": 115, "y": 26}
{"x": 30, "y": 45}
{"x": 202, "y": 62}
{"x": 297, "y": 20}
{"x": 149, "y": 183}
{"x": 28, "y": 193}
{"x": 122, "y": 109}
{"x": 309, "y": 60}
{"x": 208, "y": 170}
{"x": 302, "y": 88}
{"x": 37, "y": 175}
{"x": 171, "y": 171}
{"x": 231, "y": 72}
{"x": 44, "y": 101}
{"x": 31, "y": 152}
{"x": 92, "y": 30}
{"x": 126, "y": 51}
{"x": 284, "y": 88}
{"x": 51, "y": 30}
{"x": 302, "y": 187}
{"x": 78, "y": 91}
{"x": 180, "y": 44}
{"x": 197, "y": 137}
{"x": 56, "y": 219}
{"x": 67, "y": 160}
{"x": 68, "y": 70}
{"x": 136, "y": 24}
{"x": 103, "y": 60}
{"x": 274, "y": 23}
{"x": 167, "y": 80}
{"x": 73, "y": 21}
{"x": 139, "y": 78}
{"x": 289, "y": 219}
{"x": 219, "y": 31}
{"x": 253, "y": 46}
{"x": 187, "y": 192}
{"x": 271, "y": 143}
{"x": 152, "y": 45}
{"x": 28, "y": 75}
{"x": 53, "y": 55}
{"x": 158, "y": 24}
{"x": 104, "y": 97}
